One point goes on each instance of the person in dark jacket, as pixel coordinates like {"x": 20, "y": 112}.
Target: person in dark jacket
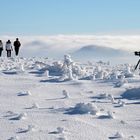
{"x": 17, "y": 45}
{"x": 1, "y": 48}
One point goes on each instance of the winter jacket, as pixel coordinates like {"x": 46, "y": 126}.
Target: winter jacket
{"x": 8, "y": 46}
{"x": 17, "y": 44}
{"x": 1, "y": 46}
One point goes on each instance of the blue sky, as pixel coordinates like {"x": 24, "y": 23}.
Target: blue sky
{"x": 51, "y": 17}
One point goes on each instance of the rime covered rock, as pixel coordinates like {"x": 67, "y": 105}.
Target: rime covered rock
{"x": 82, "y": 108}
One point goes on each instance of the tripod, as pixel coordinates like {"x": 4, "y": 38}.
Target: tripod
{"x": 138, "y": 64}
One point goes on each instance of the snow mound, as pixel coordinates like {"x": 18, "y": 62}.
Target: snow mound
{"x": 14, "y": 138}
{"x": 25, "y": 130}
{"x": 121, "y": 103}
{"x": 82, "y": 108}
{"x": 121, "y": 81}
{"x": 103, "y": 96}
{"x": 128, "y": 73}
{"x": 21, "y": 116}
{"x": 131, "y": 94}
{"x": 108, "y": 115}
{"x": 35, "y": 105}
{"x": 118, "y": 135}
{"x": 60, "y": 130}
{"x": 70, "y": 70}
{"x": 65, "y": 93}
{"x": 61, "y": 139}
{"x": 24, "y": 93}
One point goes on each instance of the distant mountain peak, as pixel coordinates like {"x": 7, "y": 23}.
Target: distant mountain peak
{"x": 95, "y": 51}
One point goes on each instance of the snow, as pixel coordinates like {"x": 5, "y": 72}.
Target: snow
{"x": 67, "y": 100}
{"x": 82, "y": 108}
{"x": 131, "y": 94}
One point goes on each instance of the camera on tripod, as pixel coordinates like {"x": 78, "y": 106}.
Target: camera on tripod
{"x": 138, "y": 64}
{"x": 137, "y": 53}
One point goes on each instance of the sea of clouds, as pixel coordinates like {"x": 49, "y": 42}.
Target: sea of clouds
{"x": 58, "y": 45}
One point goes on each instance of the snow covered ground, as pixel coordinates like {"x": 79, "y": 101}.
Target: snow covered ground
{"x": 43, "y": 99}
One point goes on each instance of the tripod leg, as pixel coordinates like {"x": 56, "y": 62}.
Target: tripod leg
{"x": 137, "y": 64}
{"x": 139, "y": 69}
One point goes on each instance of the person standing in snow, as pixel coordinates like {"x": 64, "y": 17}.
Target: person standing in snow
{"x": 17, "y": 45}
{"x": 9, "y": 48}
{"x": 1, "y": 48}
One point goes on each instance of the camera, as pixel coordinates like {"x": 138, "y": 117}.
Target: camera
{"x": 137, "y": 53}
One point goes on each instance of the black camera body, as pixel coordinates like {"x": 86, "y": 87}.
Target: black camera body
{"x": 137, "y": 53}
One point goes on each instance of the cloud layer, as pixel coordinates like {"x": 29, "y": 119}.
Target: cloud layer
{"x": 58, "y": 45}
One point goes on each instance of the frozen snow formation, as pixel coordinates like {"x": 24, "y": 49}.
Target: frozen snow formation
{"x": 31, "y": 128}
{"x": 46, "y": 74}
{"x": 21, "y": 116}
{"x": 110, "y": 115}
{"x": 99, "y": 73}
{"x": 114, "y": 75}
{"x": 24, "y": 93}
{"x": 128, "y": 73}
{"x": 35, "y": 105}
{"x": 110, "y": 97}
{"x": 121, "y": 81}
{"x": 61, "y": 138}
{"x": 67, "y": 68}
{"x": 118, "y": 135}
{"x": 70, "y": 70}
{"x": 14, "y": 138}
{"x": 82, "y": 108}
{"x": 25, "y": 130}
{"x": 121, "y": 103}
{"x": 60, "y": 130}
{"x": 20, "y": 68}
{"x": 65, "y": 93}
{"x": 103, "y": 96}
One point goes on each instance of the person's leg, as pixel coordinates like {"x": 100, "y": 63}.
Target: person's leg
{"x": 0, "y": 53}
{"x": 7, "y": 54}
{"x": 10, "y": 53}
{"x": 17, "y": 50}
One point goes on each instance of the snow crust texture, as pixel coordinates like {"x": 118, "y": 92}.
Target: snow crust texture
{"x": 46, "y": 99}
